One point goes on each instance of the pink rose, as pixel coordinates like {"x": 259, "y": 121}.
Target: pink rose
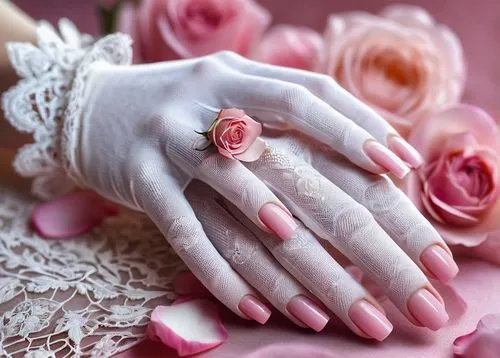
{"x": 290, "y": 46}
{"x": 484, "y": 342}
{"x": 457, "y": 187}
{"x": 172, "y": 29}
{"x": 236, "y": 135}
{"x": 401, "y": 62}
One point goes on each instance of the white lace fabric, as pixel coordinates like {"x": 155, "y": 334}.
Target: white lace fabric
{"x": 46, "y": 101}
{"x": 86, "y": 296}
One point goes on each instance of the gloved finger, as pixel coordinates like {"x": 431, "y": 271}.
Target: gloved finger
{"x": 394, "y": 212}
{"x": 325, "y": 88}
{"x": 350, "y": 227}
{"x": 162, "y": 199}
{"x": 230, "y": 178}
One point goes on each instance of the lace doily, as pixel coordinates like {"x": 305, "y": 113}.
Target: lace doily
{"x": 87, "y": 296}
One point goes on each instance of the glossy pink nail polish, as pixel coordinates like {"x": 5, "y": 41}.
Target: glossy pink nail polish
{"x": 386, "y": 159}
{"x": 308, "y": 313}
{"x": 405, "y": 151}
{"x": 438, "y": 261}
{"x": 370, "y": 320}
{"x": 254, "y": 309}
{"x": 278, "y": 220}
{"x": 427, "y": 309}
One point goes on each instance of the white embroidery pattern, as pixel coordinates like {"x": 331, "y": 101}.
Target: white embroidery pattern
{"x": 87, "y": 296}
{"x": 46, "y": 102}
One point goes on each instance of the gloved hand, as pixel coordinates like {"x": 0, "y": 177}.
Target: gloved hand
{"x": 131, "y": 133}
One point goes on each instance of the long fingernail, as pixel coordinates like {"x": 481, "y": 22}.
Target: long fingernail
{"x": 308, "y": 313}
{"x": 427, "y": 309}
{"x": 370, "y": 320}
{"x": 254, "y": 309}
{"x": 405, "y": 151}
{"x": 386, "y": 159}
{"x": 278, "y": 220}
{"x": 438, "y": 261}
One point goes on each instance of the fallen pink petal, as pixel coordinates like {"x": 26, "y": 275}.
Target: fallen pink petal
{"x": 484, "y": 342}
{"x": 70, "y": 215}
{"x": 189, "y": 326}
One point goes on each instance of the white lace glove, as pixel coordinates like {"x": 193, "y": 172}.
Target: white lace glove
{"x": 129, "y": 132}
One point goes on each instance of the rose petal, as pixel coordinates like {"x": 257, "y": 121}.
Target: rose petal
{"x": 290, "y": 46}
{"x": 253, "y": 152}
{"x": 428, "y": 137}
{"x": 189, "y": 327}
{"x": 408, "y": 15}
{"x": 484, "y": 342}
{"x": 71, "y": 215}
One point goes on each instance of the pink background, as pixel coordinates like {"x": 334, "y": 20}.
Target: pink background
{"x": 478, "y": 25}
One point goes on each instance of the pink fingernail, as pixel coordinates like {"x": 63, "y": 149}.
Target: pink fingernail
{"x": 405, "y": 151}
{"x": 370, "y": 320}
{"x": 308, "y": 313}
{"x": 254, "y": 309}
{"x": 386, "y": 159}
{"x": 427, "y": 309}
{"x": 278, "y": 220}
{"x": 438, "y": 261}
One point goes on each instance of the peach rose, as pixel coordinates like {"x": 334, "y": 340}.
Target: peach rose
{"x": 457, "y": 187}
{"x": 401, "y": 62}
{"x": 290, "y": 46}
{"x": 236, "y": 135}
{"x": 172, "y": 29}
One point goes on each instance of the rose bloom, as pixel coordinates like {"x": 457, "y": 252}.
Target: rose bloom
{"x": 290, "y": 46}
{"x": 457, "y": 187}
{"x": 171, "y": 29}
{"x": 236, "y": 135}
{"x": 401, "y": 62}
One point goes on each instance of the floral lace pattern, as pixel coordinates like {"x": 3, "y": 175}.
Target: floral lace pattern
{"x": 42, "y": 100}
{"x": 87, "y": 296}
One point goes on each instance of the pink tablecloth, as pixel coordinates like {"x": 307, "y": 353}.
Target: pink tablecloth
{"x": 478, "y": 25}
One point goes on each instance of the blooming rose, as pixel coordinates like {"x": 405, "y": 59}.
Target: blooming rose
{"x": 401, "y": 62}
{"x": 236, "y": 135}
{"x": 290, "y": 46}
{"x": 457, "y": 187}
{"x": 171, "y": 29}
{"x": 484, "y": 342}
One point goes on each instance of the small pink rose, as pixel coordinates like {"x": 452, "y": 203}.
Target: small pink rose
{"x": 400, "y": 62}
{"x": 236, "y": 135}
{"x": 484, "y": 342}
{"x": 457, "y": 187}
{"x": 290, "y": 46}
{"x": 172, "y": 29}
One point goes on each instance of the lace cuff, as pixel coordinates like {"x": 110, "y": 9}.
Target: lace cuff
{"x": 48, "y": 100}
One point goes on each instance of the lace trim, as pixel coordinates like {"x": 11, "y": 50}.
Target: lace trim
{"x": 87, "y": 296}
{"x": 43, "y": 99}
